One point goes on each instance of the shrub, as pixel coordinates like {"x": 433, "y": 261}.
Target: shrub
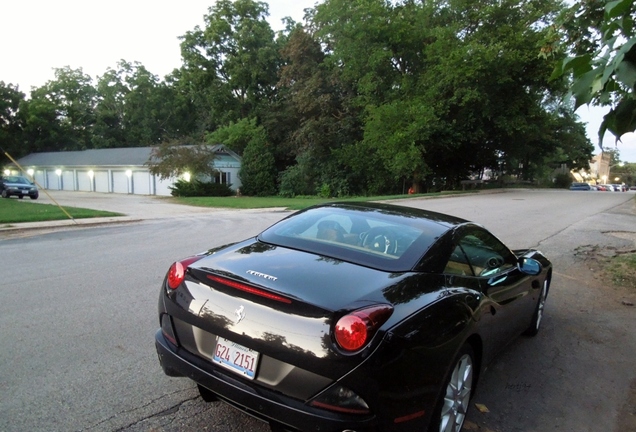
{"x": 298, "y": 179}
{"x": 324, "y": 191}
{"x": 562, "y": 181}
{"x": 182, "y": 188}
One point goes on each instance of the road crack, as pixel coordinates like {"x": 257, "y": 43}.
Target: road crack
{"x": 164, "y": 412}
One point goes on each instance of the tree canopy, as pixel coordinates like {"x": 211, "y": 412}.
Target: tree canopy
{"x": 364, "y": 97}
{"x": 600, "y": 37}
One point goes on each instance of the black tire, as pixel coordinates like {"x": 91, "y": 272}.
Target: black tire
{"x": 455, "y": 399}
{"x": 537, "y": 317}
{"x": 5, "y": 194}
{"x": 34, "y": 196}
{"x": 20, "y": 196}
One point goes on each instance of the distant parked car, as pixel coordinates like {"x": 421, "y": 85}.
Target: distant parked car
{"x": 633, "y": 188}
{"x": 608, "y": 187}
{"x": 619, "y": 188}
{"x": 18, "y": 186}
{"x": 580, "y": 186}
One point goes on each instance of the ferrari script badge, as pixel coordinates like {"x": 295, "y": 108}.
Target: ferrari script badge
{"x": 262, "y": 275}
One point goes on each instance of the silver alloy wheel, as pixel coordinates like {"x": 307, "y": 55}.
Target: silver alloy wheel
{"x": 541, "y": 305}
{"x": 457, "y": 396}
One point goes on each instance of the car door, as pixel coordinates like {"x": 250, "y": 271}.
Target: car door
{"x": 507, "y": 306}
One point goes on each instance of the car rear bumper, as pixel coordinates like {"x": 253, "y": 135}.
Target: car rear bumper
{"x": 262, "y": 403}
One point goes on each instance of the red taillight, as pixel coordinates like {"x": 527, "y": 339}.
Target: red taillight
{"x": 176, "y": 273}
{"x": 355, "y": 330}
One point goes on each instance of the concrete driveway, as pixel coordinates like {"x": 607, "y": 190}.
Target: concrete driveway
{"x": 133, "y": 207}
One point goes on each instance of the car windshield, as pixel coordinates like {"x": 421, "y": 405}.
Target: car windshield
{"x": 16, "y": 179}
{"x": 364, "y": 236}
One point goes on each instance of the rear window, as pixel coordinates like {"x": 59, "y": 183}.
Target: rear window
{"x": 367, "y": 237}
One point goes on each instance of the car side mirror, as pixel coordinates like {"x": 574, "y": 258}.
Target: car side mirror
{"x": 529, "y": 266}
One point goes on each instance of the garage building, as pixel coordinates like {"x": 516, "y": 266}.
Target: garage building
{"x": 120, "y": 170}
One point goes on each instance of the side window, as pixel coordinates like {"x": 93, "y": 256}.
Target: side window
{"x": 458, "y": 263}
{"x": 486, "y": 255}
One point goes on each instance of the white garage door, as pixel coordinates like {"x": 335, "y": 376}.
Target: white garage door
{"x": 83, "y": 181}
{"x": 141, "y": 182}
{"x": 40, "y": 178}
{"x": 53, "y": 180}
{"x": 161, "y": 186}
{"x": 68, "y": 180}
{"x": 101, "y": 181}
{"x": 120, "y": 182}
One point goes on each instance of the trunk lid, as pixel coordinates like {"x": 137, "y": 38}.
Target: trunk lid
{"x": 326, "y": 283}
{"x": 295, "y": 332}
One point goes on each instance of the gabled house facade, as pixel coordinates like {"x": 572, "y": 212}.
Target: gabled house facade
{"x": 118, "y": 170}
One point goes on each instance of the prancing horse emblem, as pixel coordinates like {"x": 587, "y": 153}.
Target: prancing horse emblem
{"x": 239, "y": 314}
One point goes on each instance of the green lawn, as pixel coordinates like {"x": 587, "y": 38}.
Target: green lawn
{"x": 13, "y": 210}
{"x": 297, "y": 203}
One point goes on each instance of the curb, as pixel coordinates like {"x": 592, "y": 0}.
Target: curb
{"x": 66, "y": 223}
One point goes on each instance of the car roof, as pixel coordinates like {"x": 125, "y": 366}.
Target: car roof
{"x": 419, "y": 230}
{"x": 399, "y": 211}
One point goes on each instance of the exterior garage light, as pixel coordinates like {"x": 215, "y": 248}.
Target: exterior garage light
{"x": 7, "y": 172}
{"x": 129, "y": 173}
{"x": 58, "y": 172}
{"x": 186, "y": 176}
{"x": 30, "y": 172}
{"x": 91, "y": 174}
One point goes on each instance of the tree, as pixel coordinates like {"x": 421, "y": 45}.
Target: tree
{"x": 446, "y": 89}
{"x": 142, "y": 105}
{"x": 42, "y": 129}
{"x": 10, "y": 119}
{"x": 258, "y": 169}
{"x": 170, "y": 160}
{"x": 230, "y": 66}
{"x": 61, "y": 113}
{"x": 625, "y": 172}
{"x": 134, "y": 108}
{"x": 237, "y": 136}
{"x": 319, "y": 119}
{"x": 601, "y": 37}
{"x": 109, "y": 130}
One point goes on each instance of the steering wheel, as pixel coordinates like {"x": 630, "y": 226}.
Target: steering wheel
{"x": 494, "y": 262}
{"x": 381, "y": 240}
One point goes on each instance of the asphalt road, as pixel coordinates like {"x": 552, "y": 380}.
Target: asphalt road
{"x": 78, "y": 316}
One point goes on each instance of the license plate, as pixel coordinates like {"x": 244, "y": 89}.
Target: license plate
{"x": 236, "y": 358}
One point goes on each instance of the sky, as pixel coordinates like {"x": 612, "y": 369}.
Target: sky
{"x": 40, "y": 35}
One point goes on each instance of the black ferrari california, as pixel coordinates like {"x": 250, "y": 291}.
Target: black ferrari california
{"x": 350, "y": 317}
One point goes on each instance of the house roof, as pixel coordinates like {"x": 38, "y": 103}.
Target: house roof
{"x": 130, "y": 156}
